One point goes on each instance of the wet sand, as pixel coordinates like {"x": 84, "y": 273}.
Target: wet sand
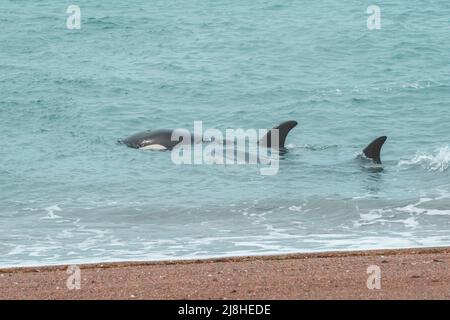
{"x": 405, "y": 274}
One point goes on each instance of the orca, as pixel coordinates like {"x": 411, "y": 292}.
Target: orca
{"x": 373, "y": 150}
{"x": 161, "y": 139}
{"x": 283, "y": 130}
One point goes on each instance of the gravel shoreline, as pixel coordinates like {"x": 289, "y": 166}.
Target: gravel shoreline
{"x": 405, "y": 274}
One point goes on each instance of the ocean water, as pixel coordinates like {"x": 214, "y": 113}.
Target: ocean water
{"x": 70, "y": 194}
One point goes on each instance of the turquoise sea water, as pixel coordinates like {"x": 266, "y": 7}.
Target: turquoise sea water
{"x": 69, "y": 193}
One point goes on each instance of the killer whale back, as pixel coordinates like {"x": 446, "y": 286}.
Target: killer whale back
{"x": 373, "y": 150}
{"x": 162, "y": 137}
{"x": 283, "y": 130}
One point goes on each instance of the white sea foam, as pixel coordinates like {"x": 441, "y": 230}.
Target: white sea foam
{"x": 295, "y": 208}
{"x": 410, "y": 222}
{"x": 438, "y": 161}
{"x": 51, "y": 212}
{"x": 372, "y": 215}
{"x": 405, "y": 214}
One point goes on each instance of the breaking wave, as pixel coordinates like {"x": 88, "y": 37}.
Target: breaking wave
{"x": 438, "y": 161}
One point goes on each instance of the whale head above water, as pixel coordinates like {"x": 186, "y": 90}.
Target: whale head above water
{"x": 160, "y": 139}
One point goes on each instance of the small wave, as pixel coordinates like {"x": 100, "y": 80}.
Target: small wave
{"x": 295, "y": 208}
{"x": 410, "y": 215}
{"x": 313, "y": 147}
{"x": 438, "y": 161}
{"x": 415, "y": 85}
{"x": 51, "y": 212}
{"x": 105, "y": 22}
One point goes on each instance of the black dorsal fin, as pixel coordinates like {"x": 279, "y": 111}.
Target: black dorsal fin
{"x": 283, "y": 130}
{"x": 373, "y": 150}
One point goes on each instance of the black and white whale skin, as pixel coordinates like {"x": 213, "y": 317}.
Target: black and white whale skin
{"x": 162, "y": 139}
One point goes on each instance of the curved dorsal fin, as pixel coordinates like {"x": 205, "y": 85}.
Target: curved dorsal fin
{"x": 373, "y": 150}
{"x": 283, "y": 130}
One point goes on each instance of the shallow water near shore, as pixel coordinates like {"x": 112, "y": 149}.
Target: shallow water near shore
{"x": 70, "y": 194}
